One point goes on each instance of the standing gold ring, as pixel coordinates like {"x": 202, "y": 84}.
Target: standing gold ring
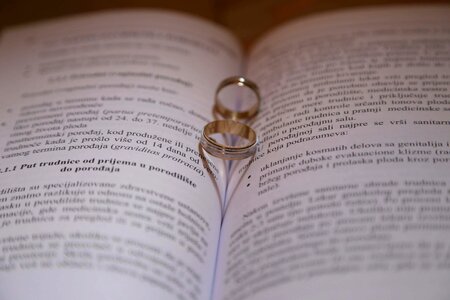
{"x": 232, "y": 127}
{"x": 232, "y": 114}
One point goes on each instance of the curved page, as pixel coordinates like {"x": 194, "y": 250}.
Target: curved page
{"x": 348, "y": 197}
{"x": 103, "y": 194}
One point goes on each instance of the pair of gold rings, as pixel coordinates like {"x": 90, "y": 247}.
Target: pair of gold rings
{"x": 232, "y": 124}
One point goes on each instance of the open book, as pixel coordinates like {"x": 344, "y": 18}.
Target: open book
{"x": 103, "y": 194}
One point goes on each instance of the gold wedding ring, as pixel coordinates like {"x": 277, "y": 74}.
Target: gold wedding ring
{"x": 232, "y": 114}
{"x": 231, "y": 127}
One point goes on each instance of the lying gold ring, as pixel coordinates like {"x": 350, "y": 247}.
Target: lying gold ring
{"x": 217, "y": 149}
{"x": 232, "y": 114}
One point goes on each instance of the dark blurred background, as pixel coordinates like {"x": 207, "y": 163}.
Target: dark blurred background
{"x": 246, "y": 18}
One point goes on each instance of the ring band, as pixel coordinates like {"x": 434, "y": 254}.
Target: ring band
{"x": 232, "y": 114}
{"x": 217, "y": 149}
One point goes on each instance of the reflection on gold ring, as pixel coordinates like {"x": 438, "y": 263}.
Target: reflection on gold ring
{"x": 232, "y": 127}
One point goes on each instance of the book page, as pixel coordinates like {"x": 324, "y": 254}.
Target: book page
{"x": 103, "y": 194}
{"x": 348, "y": 196}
